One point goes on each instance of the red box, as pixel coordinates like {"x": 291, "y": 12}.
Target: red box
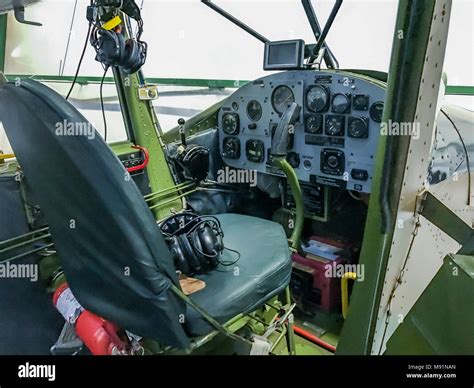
{"x": 326, "y": 290}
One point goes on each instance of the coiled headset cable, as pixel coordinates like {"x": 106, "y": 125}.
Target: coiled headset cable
{"x": 199, "y": 220}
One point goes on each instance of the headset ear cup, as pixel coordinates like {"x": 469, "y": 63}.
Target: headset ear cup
{"x": 177, "y": 252}
{"x": 207, "y": 240}
{"x": 188, "y": 251}
{"x": 108, "y": 47}
{"x": 198, "y": 249}
{"x": 130, "y": 53}
{"x": 220, "y": 242}
{"x": 135, "y": 56}
{"x": 122, "y": 50}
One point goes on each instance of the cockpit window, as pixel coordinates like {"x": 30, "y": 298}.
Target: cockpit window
{"x": 50, "y": 53}
{"x": 201, "y": 47}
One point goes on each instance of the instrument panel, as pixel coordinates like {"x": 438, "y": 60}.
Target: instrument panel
{"x": 334, "y": 140}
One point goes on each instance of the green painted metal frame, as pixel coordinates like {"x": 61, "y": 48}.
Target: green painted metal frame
{"x": 3, "y": 40}
{"x": 146, "y": 131}
{"x": 406, "y": 66}
{"x": 459, "y": 90}
{"x": 85, "y": 80}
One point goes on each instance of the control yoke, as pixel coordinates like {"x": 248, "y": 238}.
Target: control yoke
{"x": 282, "y": 132}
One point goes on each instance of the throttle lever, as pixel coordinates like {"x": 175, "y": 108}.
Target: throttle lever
{"x": 280, "y": 138}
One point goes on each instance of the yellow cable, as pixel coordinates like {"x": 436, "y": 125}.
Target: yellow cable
{"x": 344, "y": 291}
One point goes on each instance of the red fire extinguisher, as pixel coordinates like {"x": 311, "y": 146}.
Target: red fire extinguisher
{"x": 100, "y": 336}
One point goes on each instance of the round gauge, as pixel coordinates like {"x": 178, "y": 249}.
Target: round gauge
{"x": 317, "y": 98}
{"x": 235, "y": 105}
{"x": 230, "y": 123}
{"x": 376, "y": 111}
{"x": 341, "y": 103}
{"x": 357, "y": 127}
{"x": 282, "y": 98}
{"x": 334, "y": 125}
{"x": 360, "y": 102}
{"x": 254, "y": 110}
{"x": 255, "y": 150}
{"x": 231, "y": 148}
{"x": 313, "y": 124}
{"x": 307, "y": 164}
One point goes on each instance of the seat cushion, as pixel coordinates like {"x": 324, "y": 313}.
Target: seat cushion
{"x": 263, "y": 270}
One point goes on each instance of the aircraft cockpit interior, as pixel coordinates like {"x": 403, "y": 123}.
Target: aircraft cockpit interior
{"x": 284, "y": 219}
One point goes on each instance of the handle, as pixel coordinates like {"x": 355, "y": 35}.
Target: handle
{"x": 280, "y": 138}
{"x": 145, "y": 162}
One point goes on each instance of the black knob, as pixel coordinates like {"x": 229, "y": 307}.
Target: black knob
{"x": 294, "y": 159}
{"x": 333, "y": 161}
{"x": 181, "y": 123}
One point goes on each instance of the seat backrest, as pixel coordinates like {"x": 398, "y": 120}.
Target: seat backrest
{"x": 113, "y": 255}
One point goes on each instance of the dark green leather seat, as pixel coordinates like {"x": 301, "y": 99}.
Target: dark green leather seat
{"x": 263, "y": 271}
{"x": 78, "y": 178}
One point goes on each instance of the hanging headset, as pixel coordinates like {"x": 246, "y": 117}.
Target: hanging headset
{"x": 111, "y": 46}
{"x": 196, "y": 242}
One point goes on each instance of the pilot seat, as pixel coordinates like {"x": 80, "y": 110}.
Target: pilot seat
{"x": 113, "y": 254}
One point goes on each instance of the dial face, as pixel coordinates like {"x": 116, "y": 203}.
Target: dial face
{"x": 341, "y": 103}
{"x": 235, "y": 105}
{"x": 334, "y": 125}
{"x": 231, "y": 148}
{"x": 317, "y": 98}
{"x": 282, "y": 98}
{"x": 255, "y": 150}
{"x": 254, "y": 110}
{"x": 376, "y": 111}
{"x": 230, "y": 123}
{"x": 360, "y": 102}
{"x": 358, "y": 127}
{"x": 313, "y": 124}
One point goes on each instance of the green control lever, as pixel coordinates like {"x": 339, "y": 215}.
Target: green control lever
{"x": 278, "y": 155}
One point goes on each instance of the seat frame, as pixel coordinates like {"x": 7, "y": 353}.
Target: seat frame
{"x": 280, "y": 326}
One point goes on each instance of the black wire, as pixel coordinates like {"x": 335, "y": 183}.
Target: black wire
{"x": 465, "y": 153}
{"x": 229, "y": 263}
{"x": 80, "y": 61}
{"x": 102, "y": 103}
{"x": 69, "y": 38}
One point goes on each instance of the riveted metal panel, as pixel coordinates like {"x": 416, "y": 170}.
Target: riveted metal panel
{"x": 416, "y": 255}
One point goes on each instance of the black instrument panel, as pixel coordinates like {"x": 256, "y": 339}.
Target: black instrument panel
{"x": 334, "y": 140}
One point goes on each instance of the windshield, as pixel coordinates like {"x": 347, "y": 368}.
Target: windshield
{"x": 202, "y": 44}
{"x": 187, "y": 40}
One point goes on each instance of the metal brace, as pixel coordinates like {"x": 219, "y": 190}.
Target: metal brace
{"x": 420, "y": 202}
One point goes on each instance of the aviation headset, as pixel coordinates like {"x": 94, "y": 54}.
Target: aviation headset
{"x": 196, "y": 242}
{"x": 112, "y": 48}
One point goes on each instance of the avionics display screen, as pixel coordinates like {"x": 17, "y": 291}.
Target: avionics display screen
{"x": 284, "y": 55}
